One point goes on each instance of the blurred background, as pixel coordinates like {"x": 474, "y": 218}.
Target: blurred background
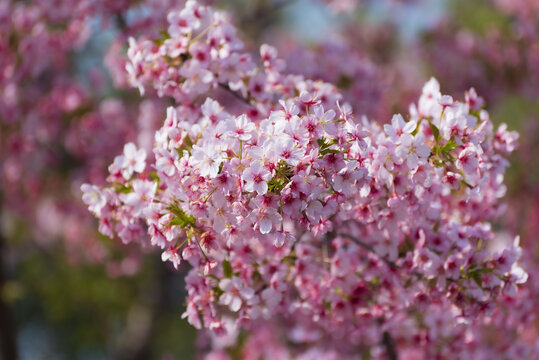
{"x": 66, "y": 109}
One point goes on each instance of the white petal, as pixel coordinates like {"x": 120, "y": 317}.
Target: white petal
{"x": 235, "y": 304}
{"x": 423, "y": 151}
{"x": 265, "y": 224}
{"x": 412, "y": 161}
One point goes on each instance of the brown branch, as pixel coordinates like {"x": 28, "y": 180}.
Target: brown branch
{"x": 139, "y": 333}
{"x": 389, "y": 344}
{"x": 371, "y": 249}
{"x": 264, "y": 15}
{"x": 235, "y": 94}
{"x": 8, "y": 341}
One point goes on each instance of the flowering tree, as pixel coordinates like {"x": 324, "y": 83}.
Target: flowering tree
{"x": 56, "y": 131}
{"x": 316, "y": 233}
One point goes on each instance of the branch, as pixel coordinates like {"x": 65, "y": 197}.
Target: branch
{"x": 121, "y": 22}
{"x": 389, "y": 344}
{"x": 371, "y": 249}
{"x": 140, "y": 332}
{"x": 264, "y": 14}
{"x": 235, "y": 94}
{"x": 8, "y": 341}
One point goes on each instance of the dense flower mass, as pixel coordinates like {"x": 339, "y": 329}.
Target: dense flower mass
{"x": 348, "y": 237}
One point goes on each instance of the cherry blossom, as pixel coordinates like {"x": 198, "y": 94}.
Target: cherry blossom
{"x": 256, "y": 178}
{"x": 343, "y": 234}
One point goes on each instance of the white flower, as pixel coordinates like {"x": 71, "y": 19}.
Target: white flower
{"x": 133, "y": 160}
{"x": 171, "y": 255}
{"x": 93, "y": 197}
{"x": 256, "y": 177}
{"x": 207, "y": 159}
{"x": 143, "y": 193}
{"x": 413, "y": 149}
{"x": 399, "y": 127}
{"x": 240, "y": 128}
{"x": 235, "y": 292}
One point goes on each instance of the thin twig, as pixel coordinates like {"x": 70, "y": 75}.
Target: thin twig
{"x": 371, "y": 249}
{"x": 384, "y": 259}
{"x": 235, "y": 94}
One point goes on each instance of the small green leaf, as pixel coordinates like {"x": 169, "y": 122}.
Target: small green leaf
{"x": 283, "y": 173}
{"x": 181, "y": 219}
{"x": 123, "y": 189}
{"x": 164, "y": 34}
{"x": 416, "y": 130}
{"x": 227, "y": 269}
{"x": 405, "y": 247}
{"x": 475, "y": 274}
{"x": 187, "y": 145}
{"x": 450, "y": 145}
{"x": 328, "y": 151}
{"x": 217, "y": 291}
{"x": 435, "y": 131}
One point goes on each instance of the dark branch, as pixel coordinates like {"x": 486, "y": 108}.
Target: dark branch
{"x": 389, "y": 344}
{"x": 8, "y": 341}
{"x": 121, "y": 22}
{"x": 371, "y": 249}
{"x": 265, "y": 14}
{"x": 235, "y": 94}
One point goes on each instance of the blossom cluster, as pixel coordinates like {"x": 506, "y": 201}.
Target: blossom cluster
{"x": 293, "y": 212}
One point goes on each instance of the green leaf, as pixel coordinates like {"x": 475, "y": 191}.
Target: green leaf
{"x": 181, "y": 219}
{"x": 475, "y": 274}
{"x": 416, "y": 130}
{"x": 187, "y": 145}
{"x": 227, "y": 269}
{"x": 124, "y": 189}
{"x": 153, "y": 175}
{"x": 450, "y": 145}
{"x": 325, "y": 145}
{"x": 405, "y": 247}
{"x": 283, "y": 173}
{"x": 217, "y": 291}
{"x": 164, "y": 34}
{"x": 435, "y": 131}
{"x": 328, "y": 151}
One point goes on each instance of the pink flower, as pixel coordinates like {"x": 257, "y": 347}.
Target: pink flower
{"x": 213, "y": 111}
{"x": 183, "y": 22}
{"x": 413, "y": 149}
{"x": 94, "y": 198}
{"x": 171, "y": 255}
{"x": 240, "y": 128}
{"x": 208, "y": 160}
{"x": 265, "y": 217}
{"x": 468, "y": 162}
{"x": 166, "y": 161}
{"x": 399, "y": 127}
{"x": 256, "y": 178}
{"x": 142, "y": 195}
{"x": 133, "y": 160}
{"x": 234, "y": 293}
{"x": 176, "y": 46}
{"x": 288, "y": 152}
